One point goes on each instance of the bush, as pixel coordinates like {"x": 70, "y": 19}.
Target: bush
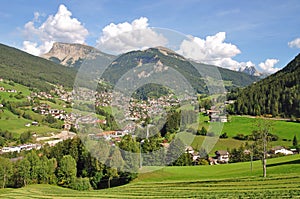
{"x": 224, "y": 136}
{"x": 240, "y": 136}
{"x": 203, "y": 162}
{"x": 203, "y": 131}
{"x": 81, "y": 184}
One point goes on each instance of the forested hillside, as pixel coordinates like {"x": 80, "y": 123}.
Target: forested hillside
{"x": 167, "y": 58}
{"x": 33, "y": 71}
{"x": 278, "y": 94}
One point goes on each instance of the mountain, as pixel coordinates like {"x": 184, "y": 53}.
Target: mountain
{"x": 32, "y": 71}
{"x": 278, "y": 94}
{"x": 72, "y": 55}
{"x": 250, "y": 70}
{"x": 162, "y": 59}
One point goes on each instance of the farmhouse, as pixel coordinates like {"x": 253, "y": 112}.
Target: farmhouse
{"x": 108, "y": 135}
{"x": 218, "y": 118}
{"x": 222, "y": 156}
{"x": 282, "y": 150}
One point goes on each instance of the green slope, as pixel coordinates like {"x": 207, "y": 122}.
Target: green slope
{"x": 219, "y": 181}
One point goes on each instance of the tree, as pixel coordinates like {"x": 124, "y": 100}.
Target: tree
{"x": 261, "y": 138}
{"x": 295, "y": 141}
{"x": 6, "y": 170}
{"x": 115, "y": 160}
{"x": 67, "y": 170}
{"x": 25, "y": 137}
{"x": 23, "y": 171}
{"x": 203, "y": 131}
{"x": 175, "y": 150}
{"x": 130, "y": 153}
{"x": 111, "y": 173}
{"x": 35, "y": 165}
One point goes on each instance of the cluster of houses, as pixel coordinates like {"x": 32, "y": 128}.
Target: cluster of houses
{"x": 140, "y": 110}
{"x": 18, "y": 149}
{"x": 223, "y": 156}
{"x": 41, "y": 95}
{"x": 45, "y": 109}
{"x": 51, "y": 141}
{"x": 2, "y": 89}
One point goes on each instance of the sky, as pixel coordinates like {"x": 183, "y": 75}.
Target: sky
{"x": 226, "y": 33}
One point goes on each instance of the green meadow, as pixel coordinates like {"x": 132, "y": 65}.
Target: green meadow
{"x": 218, "y": 181}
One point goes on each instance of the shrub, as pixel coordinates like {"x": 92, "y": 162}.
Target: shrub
{"x": 81, "y": 184}
{"x": 224, "y": 135}
{"x": 240, "y": 136}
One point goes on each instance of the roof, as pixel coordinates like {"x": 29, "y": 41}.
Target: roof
{"x": 277, "y": 148}
{"x": 222, "y": 152}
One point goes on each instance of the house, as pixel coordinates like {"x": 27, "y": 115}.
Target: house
{"x": 67, "y": 126}
{"x": 111, "y": 134}
{"x": 222, "y": 156}
{"x": 212, "y": 112}
{"x": 34, "y": 123}
{"x": 218, "y": 118}
{"x": 189, "y": 149}
{"x": 282, "y": 150}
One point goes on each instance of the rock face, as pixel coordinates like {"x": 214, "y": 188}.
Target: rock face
{"x": 71, "y": 54}
{"x": 250, "y": 70}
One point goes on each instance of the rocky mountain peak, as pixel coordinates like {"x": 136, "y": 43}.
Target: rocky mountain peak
{"x": 70, "y": 54}
{"x": 250, "y": 70}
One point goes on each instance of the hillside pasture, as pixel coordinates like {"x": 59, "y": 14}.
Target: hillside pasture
{"x": 219, "y": 181}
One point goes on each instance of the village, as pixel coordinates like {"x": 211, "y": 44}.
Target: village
{"x": 136, "y": 114}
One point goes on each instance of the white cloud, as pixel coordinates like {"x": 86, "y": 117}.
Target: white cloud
{"x": 124, "y": 37}
{"x": 268, "y": 65}
{"x": 58, "y": 28}
{"x": 295, "y": 43}
{"x": 211, "y": 50}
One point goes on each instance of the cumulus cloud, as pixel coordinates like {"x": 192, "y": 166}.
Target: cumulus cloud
{"x": 268, "y": 65}
{"x": 60, "y": 27}
{"x": 124, "y": 37}
{"x": 295, "y": 43}
{"x": 211, "y": 50}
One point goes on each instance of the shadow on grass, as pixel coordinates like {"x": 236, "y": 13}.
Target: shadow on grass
{"x": 284, "y": 163}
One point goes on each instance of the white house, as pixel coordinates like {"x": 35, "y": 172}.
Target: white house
{"x": 222, "y": 156}
{"x": 282, "y": 150}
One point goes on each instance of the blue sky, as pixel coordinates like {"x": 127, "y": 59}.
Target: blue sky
{"x": 236, "y": 33}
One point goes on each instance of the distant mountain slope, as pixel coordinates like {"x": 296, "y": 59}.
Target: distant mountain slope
{"x": 167, "y": 58}
{"x": 73, "y": 55}
{"x": 33, "y": 71}
{"x": 278, "y": 94}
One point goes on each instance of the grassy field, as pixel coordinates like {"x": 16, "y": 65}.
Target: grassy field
{"x": 245, "y": 125}
{"x": 16, "y": 125}
{"x": 219, "y": 181}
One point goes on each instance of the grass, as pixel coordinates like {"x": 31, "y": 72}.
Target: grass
{"x": 245, "y": 125}
{"x": 16, "y": 125}
{"x": 219, "y": 181}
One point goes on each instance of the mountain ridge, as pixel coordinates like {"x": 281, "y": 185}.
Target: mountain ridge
{"x": 72, "y": 54}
